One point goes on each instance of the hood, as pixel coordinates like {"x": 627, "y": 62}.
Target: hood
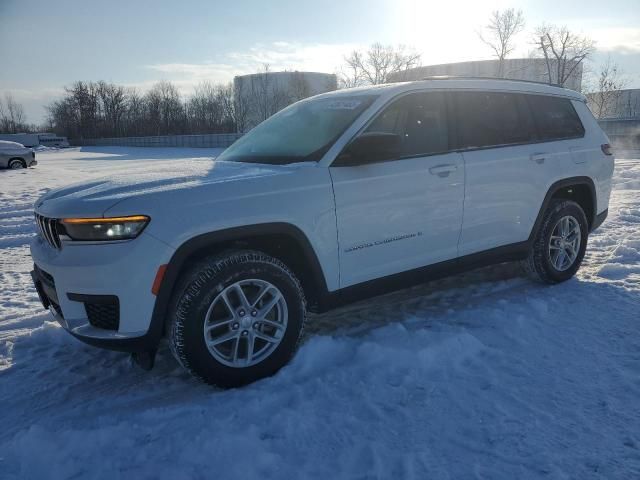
{"x": 93, "y": 198}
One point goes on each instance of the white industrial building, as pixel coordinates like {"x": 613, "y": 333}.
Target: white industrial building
{"x": 534, "y": 69}
{"x": 260, "y": 95}
{"x": 36, "y": 139}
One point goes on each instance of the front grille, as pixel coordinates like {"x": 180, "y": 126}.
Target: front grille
{"x": 104, "y": 314}
{"x": 48, "y": 229}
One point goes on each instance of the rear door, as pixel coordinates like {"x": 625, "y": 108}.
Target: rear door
{"x": 406, "y": 212}
{"x": 507, "y": 172}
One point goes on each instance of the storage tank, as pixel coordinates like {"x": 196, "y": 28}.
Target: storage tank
{"x": 258, "y": 96}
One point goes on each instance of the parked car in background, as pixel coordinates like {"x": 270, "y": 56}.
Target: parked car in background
{"x": 15, "y": 155}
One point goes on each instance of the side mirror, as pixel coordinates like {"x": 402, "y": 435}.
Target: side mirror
{"x": 369, "y": 147}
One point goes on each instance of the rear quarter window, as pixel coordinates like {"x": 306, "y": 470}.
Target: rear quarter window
{"x": 489, "y": 119}
{"x": 555, "y": 117}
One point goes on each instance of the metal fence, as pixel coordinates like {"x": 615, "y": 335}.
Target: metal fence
{"x": 218, "y": 140}
{"x": 624, "y": 133}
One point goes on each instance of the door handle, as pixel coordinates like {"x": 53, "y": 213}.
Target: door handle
{"x": 443, "y": 170}
{"x": 538, "y": 158}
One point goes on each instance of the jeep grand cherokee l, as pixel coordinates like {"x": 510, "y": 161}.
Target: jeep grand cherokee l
{"x": 340, "y": 196}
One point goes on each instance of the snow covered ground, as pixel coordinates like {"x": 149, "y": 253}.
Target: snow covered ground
{"x": 483, "y": 375}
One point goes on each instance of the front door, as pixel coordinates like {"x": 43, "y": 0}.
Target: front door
{"x": 403, "y": 213}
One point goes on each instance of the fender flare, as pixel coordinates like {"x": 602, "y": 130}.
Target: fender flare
{"x": 200, "y": 242}
{"x": 553, "y": 189}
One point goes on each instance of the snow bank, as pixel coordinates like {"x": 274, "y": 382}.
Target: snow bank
{"x": 484, "y": 375}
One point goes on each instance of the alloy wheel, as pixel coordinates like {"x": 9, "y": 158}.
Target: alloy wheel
{"x": 245, "y": 323}
{"x": 564, "y": 244}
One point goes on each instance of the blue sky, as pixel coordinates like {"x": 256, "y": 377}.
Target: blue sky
{"x": 45, "y": 45}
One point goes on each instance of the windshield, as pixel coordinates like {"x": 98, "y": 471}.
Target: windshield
{"x": 301, "y": 132}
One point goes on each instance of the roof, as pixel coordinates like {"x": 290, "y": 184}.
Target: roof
{"x": 462, "y": 83}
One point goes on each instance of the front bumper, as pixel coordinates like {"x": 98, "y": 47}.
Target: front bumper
{"x": 124, "y": 270}
{"x": 33, "y": 162}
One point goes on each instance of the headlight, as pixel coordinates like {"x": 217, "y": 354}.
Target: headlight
{"x": 104, "y": 229}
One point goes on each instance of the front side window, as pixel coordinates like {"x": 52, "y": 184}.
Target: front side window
{"x": 420, "y": 119}
{"x": 555, "y": 117}
{"x": 493, "y": 118}
{"x": 301, "y": 132}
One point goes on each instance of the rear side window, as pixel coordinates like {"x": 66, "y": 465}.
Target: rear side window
{"x": 421, "y": 121}
{"x": 555, "y": 117}
{"x": 493, "y": 118}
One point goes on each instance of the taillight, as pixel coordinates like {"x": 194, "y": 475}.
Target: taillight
{"x": 606, "y": 149}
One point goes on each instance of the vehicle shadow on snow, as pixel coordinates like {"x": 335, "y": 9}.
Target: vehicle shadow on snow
{"x": 70, "y": 375}
{"x": 432, "y": 298}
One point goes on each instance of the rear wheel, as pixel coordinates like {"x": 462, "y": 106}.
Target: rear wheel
{"x": 560, "y": 244}
{"x": 16, "y": 163}
{"x": 237, "y": 318}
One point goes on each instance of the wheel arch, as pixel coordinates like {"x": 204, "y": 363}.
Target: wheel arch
{"x": 284, "y": 241}
{"x": 582, "y": 190}
{"x": 24, "y": 162}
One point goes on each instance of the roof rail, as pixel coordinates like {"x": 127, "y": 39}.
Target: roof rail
{"x": 472, "y": 77}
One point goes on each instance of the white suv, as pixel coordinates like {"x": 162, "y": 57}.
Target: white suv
{"x": 340, "y": 196}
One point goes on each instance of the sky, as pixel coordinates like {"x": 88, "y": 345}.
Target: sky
{"x": 45, "y": 45}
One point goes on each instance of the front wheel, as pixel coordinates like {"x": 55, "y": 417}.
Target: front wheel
{"x": 560, "y": 243}
{"x": 237, "y": 318}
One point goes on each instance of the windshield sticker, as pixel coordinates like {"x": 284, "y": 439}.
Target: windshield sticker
{"x": 343, "y": 104}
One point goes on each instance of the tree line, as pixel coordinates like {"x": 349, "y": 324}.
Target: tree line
{"x": 103, "y": 109}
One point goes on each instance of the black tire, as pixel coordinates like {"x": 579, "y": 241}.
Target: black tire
{"x": 16, "y": 161}
{"x": 196, "y": 291}
{"x": 539, "y": 264}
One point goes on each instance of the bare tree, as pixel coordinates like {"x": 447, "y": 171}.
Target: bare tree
{"x": 165, "y": 108}
{"x": 12, "y": 117}
{"x": 374, "y": 66}
{"x": 607, "y": 90}
{"x": 241, "y": 103}
{"x": 224, "y": 97}
{"x": 4, "y": 120}
{"x": 135, "y": 114}
{"x": 266, "y": 96}
{"x": 114, "y": 105}
{"x": 563, "y": 51}
{"x": 299, "y": 87}
{"x": 203, "y": 109}
{"x": 500, "y": 32}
